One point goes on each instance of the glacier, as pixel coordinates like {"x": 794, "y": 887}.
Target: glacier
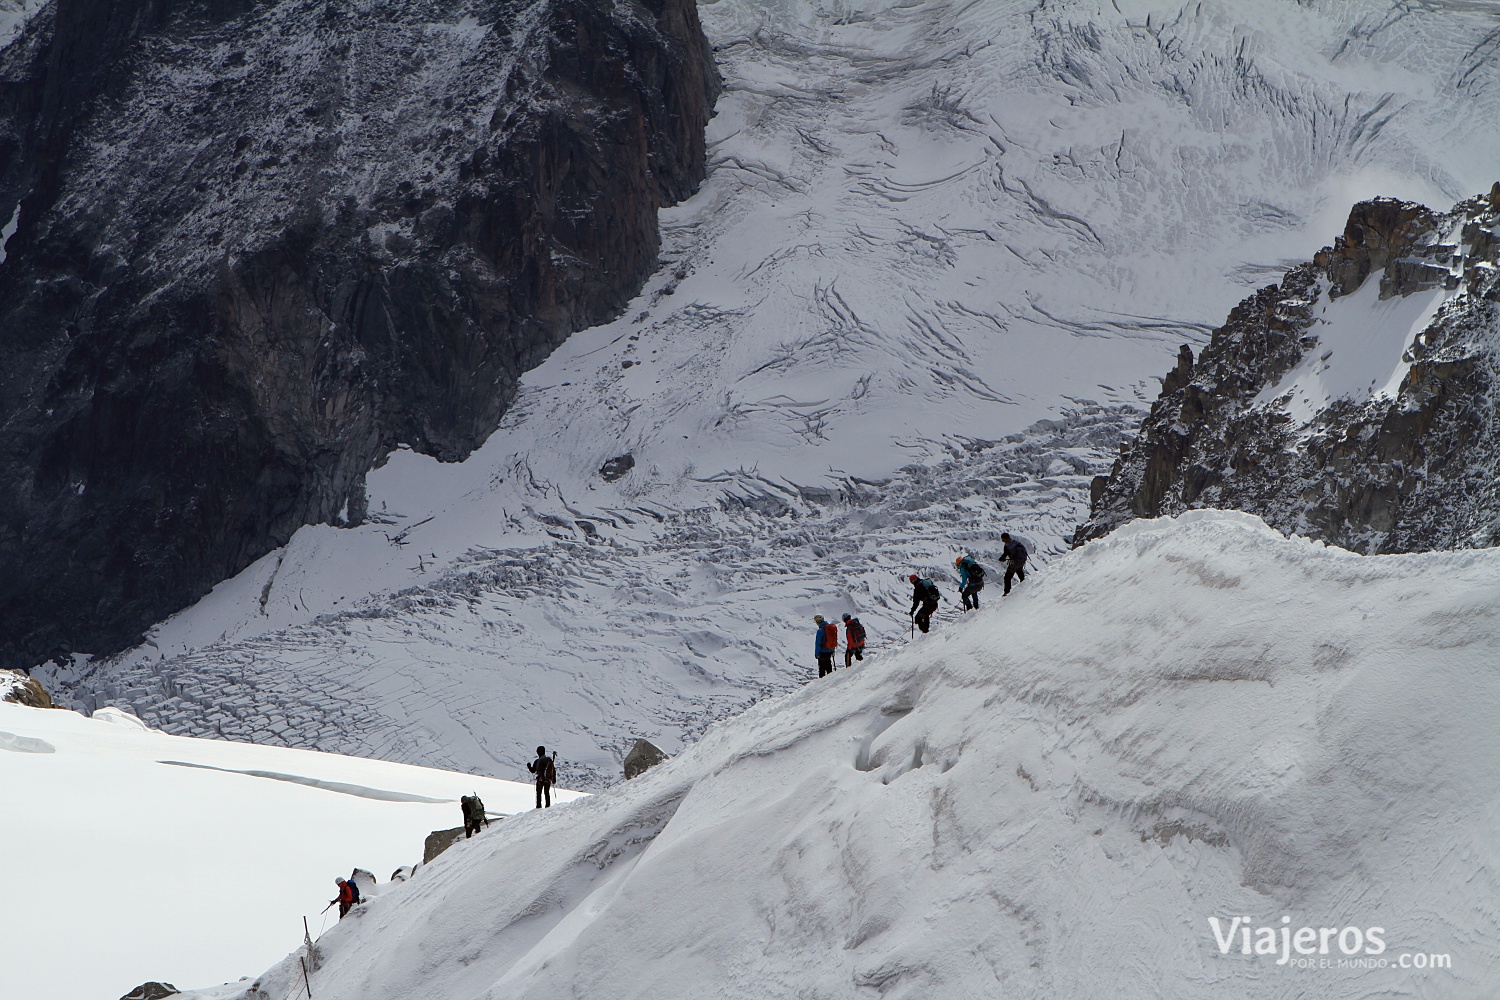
{"x": 942, "y": 254}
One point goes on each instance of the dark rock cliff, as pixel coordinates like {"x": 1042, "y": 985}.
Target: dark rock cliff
{"x": 257, "y": 245}
{"x": 1410, "y": 469}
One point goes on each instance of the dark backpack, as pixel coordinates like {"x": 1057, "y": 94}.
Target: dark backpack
{"x": 929, "y": 591}
{"x": 976, "y": 574}
{"x": 856, "y": 632}
{"x": 546, "y": 771}
{"x": 353, "y": 890}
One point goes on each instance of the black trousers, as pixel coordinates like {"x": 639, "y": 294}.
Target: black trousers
{"x": 970, "y": 594}
{"x": 825, "y": 663}
{"x": 924, "y": 614}
{"x": 1017, "y": 570}
{"x": 541, "y": 792}
{"x": 854, "y": 653}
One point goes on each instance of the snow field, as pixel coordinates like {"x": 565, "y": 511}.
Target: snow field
{"x": 1192, "y": 718}
{"x": 131, "y": 855}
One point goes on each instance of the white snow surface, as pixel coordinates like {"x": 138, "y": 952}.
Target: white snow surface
{"x": 1193, "y": 718}
{"x": 1361, "y": 352}
{"x": 131, "y": 855}
{"x": 943, "y": 250}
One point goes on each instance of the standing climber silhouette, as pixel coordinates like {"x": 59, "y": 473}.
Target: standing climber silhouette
{"x": 1015, "y": 560}
{"x": 545, "y": 769}
{"x": 825, "y": 644}
{"x": 970, "y": 581}
{"x": 854, "y": 640}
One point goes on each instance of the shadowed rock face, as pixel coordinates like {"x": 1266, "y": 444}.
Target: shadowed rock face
{"x": 260, "y": 245}
{"x": 1413, "y": 472}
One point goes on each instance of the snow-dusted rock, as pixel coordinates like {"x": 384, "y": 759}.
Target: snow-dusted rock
{"x": 23, "y": 690}
{"x": 1354, "y": 402}
{"x": 249, "y": 249}
{"x": 643, "y": 756}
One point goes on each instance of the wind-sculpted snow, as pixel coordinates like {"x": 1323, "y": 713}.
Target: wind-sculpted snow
{"x": 926, "y": 226}
{"x": 1191, "y": 720}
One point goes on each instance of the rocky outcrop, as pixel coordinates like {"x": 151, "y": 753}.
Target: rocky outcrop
{"x": 258, "y": 246}
{"x": 1413, "y": 468}
{"x": 643, "y": 756}
{"x": 439, "y": 841}
{"x": 20, "y": 689}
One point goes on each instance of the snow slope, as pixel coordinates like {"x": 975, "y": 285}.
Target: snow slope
{"x": 943, "y": 251}
{"x": 1190, "y": 719}
{"x": 131, "y": 855}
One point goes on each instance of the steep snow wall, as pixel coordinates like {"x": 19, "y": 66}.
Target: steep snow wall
{"x": 258, "y": 246}
{"x": 1190, "y": 719}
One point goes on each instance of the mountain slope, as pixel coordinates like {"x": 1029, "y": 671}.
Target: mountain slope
{"x": 927, "y": 228}
{"x": 251, "y": 248}
{"x": 1190, "y": 719}
{"x": 1355, "y": 402}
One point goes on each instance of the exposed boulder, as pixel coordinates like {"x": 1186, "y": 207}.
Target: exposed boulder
{"x": 1409, "y": 467}
{"x": 260, "y": 245}
{"x": 151, "y": 991}
{"x": 642, "y": 757}
{"x": 616, "y": 467}
{"x": 439, "y": 841}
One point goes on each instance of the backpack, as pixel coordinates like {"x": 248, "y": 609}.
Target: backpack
{"x": 976, "y": 574}
{"x": 856, "y": 632}
{"x": 830, "y": 636}
{"x": 546, "y": 771}
{"x": 929, "y": 591}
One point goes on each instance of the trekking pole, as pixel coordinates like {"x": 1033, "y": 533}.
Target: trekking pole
{"x": 305, "y": 981}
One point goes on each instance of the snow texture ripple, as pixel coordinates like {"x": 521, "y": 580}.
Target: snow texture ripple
{"x": 1190, "y": 719}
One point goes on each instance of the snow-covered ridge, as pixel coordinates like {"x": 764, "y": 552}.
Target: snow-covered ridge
{"x": 1191, "y": 719}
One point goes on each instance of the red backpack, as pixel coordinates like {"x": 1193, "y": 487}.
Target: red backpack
{"x": 830, "y": 636}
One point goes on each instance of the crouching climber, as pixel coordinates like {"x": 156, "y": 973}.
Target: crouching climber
{"x": 924, "y": 601}
{"x": 474, "y": 816}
